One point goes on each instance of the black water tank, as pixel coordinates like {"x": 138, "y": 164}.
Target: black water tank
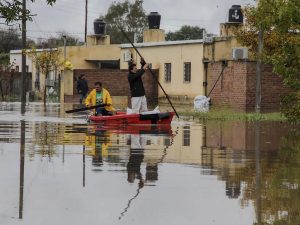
{"x": 235, "y": 14}
{"x": 154, "y": 20}
{"x": 99, "y": 26}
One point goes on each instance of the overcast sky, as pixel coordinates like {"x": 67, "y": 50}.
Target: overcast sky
{"x": 68, "y": 15}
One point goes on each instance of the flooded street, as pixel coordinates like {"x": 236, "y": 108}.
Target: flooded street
{"x": 57, "y": 169}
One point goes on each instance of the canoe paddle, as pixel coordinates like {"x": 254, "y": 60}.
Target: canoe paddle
{"x": 155, "y": 78}
{"x": 85, "y": 108}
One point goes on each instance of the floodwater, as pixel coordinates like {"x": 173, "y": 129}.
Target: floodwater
{"x": 56, "y": 169}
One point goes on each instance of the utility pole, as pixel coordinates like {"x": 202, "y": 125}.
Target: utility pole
{"x": 85, "y": 26}
{"x": 23, "y": 83}
{"x": 62, "y": 83}
{"x": 258, "y": 71}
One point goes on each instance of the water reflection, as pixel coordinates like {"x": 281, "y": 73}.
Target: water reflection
{"x": 138, "y": 144}
{"x": 22, "y": 166}
{"x": 241, "y": 172}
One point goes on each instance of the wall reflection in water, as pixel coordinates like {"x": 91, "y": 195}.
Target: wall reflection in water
{"x": 259, "y": 163}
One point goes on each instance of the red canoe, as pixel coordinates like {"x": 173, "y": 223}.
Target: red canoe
{"x": 121, "y": 118}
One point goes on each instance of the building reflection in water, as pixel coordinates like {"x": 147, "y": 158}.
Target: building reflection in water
{"x": 247, "y": 157}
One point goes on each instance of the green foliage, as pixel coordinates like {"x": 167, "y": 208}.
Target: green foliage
{"x": 227, "y": 114}
{"x": 131, "y": 17}
{"x": 9, "y": 40}
{"x": 4, "y": 60}
{"x": 58, "y": 41}
{"x": 47, "y": 61}
{"x": 186, "y": 33}
{"x": 291, "y": 107}
{"x": 11, "y": 10}
{"x": 280, "y": 21}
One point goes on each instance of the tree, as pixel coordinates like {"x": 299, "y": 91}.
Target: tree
{"x": 11, "y": 10}
{"x": 186, "y": 33}
{"x": 280, "y": 21}
{"x": 9, "y": 40}
{"x": 47, "y": 61}
{"x": 58, "y": 41}
{"x": 131, "y": 17}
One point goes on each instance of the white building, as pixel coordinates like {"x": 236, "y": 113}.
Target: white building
{"x": 15, "y": 58}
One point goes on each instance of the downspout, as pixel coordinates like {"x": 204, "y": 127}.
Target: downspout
{"x": 205, "y": 62}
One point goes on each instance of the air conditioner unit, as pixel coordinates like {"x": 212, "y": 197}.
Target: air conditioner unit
{"x": 126, "y": 56}
{"x": 239, "y": 53}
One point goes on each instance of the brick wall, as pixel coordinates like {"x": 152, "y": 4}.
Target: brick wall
{"x": 236, "y": 88}
{"x": 116, "y": 82}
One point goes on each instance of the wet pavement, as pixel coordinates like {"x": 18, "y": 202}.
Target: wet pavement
{"x": 57, "y": 169}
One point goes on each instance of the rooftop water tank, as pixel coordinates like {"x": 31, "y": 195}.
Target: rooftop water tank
{"x": 235, "y": 14}
{"x": 154, "y": 20}
{"x": 99, "y": 26}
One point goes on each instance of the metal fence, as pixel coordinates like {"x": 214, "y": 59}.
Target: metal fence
{"x": 11, "y": 85}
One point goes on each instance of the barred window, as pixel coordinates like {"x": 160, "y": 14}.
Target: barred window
{"x": 187, "y": 72}
{"x": 167, "y": 72}
{"x": 186, "y": 136}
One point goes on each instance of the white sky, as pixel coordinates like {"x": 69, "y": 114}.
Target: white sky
{"x": 68, "y": 15}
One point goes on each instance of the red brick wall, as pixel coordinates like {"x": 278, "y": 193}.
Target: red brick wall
{"x": 116, "y": 82}
{"x": 271, "y": 86}
{"x": 236, "y": 88}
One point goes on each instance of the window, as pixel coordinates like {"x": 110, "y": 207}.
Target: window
{"x": 167, "y": 72}
{"x": 27, "y": 68}
{"x": 187, "y": 72}
{"x": 186, "y": 136}
{"x": 17, "y": 68}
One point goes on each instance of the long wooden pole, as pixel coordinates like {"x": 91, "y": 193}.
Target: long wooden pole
{"x": 85, "y": 23}
{"x": 155, "y": 78}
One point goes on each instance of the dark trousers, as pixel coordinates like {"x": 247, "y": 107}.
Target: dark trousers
{"x": 82, "y": 96}
{"x": 101, "y": 111}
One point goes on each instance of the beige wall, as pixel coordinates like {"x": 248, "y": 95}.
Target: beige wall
{"x": 78, "y": 55}
{"x": 222, "y": 49}
{"x": 176, "y": 55}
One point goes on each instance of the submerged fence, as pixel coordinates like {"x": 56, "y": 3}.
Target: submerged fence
{"x": 11, "y": 85}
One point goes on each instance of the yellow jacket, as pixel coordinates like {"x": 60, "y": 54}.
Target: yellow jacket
{"x": 91, "y": 99}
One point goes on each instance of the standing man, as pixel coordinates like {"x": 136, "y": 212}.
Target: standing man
{"x": 98, "y": 96}
{"x": 138, "y": 98}
{"x": 82, "y": 87}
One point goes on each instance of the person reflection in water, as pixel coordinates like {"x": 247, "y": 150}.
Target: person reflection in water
{"x": 136, "y": 158}
{"x": 137, "y": 146}
{"x": 99, "y": 143}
